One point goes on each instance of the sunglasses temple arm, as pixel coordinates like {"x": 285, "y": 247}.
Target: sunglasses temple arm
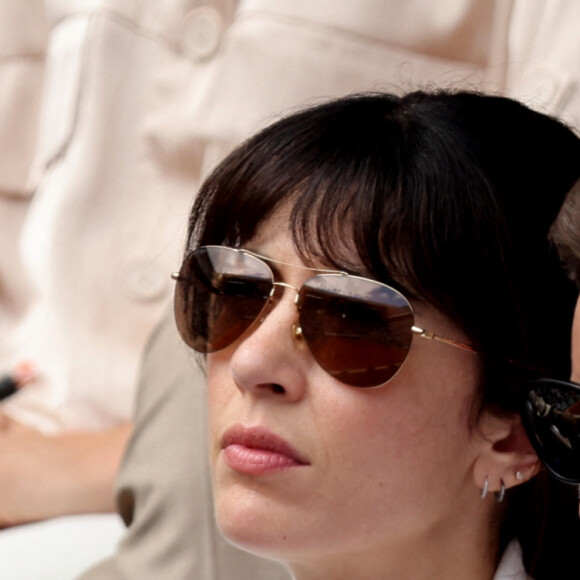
{"x": 432, "y": 336}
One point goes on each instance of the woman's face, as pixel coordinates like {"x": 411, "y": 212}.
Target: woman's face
{"x": 308, "y": 469}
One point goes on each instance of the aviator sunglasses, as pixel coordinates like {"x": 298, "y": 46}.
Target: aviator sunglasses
{"x": 358, "y": 330}
{"x": 551, "y": 415}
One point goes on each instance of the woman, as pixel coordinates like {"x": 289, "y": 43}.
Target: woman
{"x": 371, "y": 282}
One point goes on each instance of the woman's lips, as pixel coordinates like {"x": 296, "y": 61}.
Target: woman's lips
{"x": 256, "y": 451}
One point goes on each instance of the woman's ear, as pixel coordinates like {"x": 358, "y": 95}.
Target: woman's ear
{"x": 507, "y": 457}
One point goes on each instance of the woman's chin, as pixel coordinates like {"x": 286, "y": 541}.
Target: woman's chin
{"x": 253, "y": 528}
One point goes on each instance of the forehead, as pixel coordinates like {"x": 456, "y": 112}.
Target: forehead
{"x": 273, "y": 230}
{"x": 277, "y": 238}
{"x": 274, "y": 243}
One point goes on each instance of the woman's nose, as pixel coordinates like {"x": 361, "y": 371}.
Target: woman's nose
{"x": 271, "y": 360}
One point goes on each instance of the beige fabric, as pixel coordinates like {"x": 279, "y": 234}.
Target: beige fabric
{"x": 22, "y": 46}
{"x": 544, "y": 57}
{"x": 23, "y": 35}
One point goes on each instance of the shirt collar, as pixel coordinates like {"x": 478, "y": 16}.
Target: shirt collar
{"x": 511, "y": 566}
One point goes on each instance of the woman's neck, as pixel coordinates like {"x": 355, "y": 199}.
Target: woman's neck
{"x": 461, "y": 553}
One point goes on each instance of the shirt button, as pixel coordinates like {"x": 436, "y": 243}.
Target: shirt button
{"x": 202, "y": 32}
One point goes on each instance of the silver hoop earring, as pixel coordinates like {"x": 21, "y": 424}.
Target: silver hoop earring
{"x": 499, "y": 496}
{"x": 484, "y": 489}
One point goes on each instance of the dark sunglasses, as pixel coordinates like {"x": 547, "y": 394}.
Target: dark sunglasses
{"x": 551, "y": 416}
{"x": 358, "y": 330}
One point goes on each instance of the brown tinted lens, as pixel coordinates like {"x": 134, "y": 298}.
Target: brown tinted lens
{"x": 220, "y": 292}
{"x": 358, "y": 330}
{"x": 552, "y": 418}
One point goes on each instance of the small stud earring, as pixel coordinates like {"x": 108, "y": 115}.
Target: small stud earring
{"x": 484, "y": 489}
{"x": 519, "y": 475}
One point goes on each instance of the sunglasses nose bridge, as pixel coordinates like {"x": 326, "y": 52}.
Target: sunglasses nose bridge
{"x": 286, "y": 285}
{"x": 296, "y": 329}
{"x": 282, "y": 286}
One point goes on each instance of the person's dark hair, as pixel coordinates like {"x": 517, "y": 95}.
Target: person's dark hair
{"x": 446, "y": 196}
